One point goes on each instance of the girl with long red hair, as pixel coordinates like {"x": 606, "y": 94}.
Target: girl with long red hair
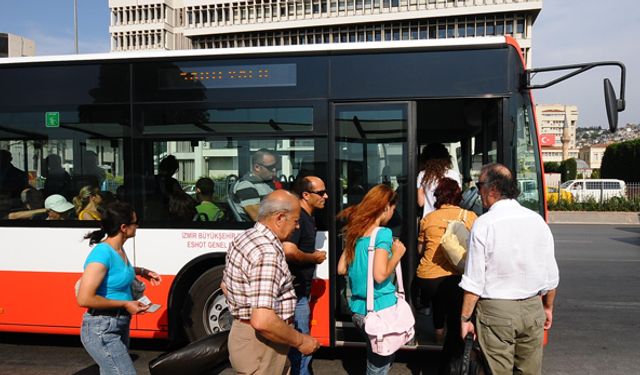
{"x": 375, "y": 210}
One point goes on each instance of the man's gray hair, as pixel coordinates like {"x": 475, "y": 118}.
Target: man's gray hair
{"x": 271, "y": 205}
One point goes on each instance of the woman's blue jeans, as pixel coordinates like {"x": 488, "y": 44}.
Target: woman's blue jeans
{"x": 376, "y": 364}
{"x": 106, "y": 339}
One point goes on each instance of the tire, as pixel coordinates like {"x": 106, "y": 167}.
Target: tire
{"x": 205, "y": 310}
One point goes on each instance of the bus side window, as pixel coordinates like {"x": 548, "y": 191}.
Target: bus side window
{"x": 227, "y": 163}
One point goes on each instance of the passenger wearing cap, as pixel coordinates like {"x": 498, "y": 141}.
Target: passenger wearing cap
{"x": 57, "y": 207}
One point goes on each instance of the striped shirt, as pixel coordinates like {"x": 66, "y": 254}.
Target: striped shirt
{"x": 249, "y": 191}
{"x": 257, "y": 276}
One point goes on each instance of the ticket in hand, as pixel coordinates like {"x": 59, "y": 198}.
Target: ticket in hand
{"x": 146, "y": 301}
{"x": 154, "y": 308}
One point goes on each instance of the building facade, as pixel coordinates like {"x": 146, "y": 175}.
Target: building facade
{"x": 592, "y": 155}
{"x": 16, "y": 46}
{"x": 557, "y": 124}
{"x": 195, "y": 24}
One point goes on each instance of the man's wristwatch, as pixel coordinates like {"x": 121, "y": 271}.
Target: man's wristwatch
{"x": 464, "y": 318}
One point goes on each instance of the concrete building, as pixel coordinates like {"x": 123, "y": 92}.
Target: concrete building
{"x": 16, "y": 46}
{"x": 557, "y": 124}
{"x": 187, "y": 24}
{"x": 592, "y": 155}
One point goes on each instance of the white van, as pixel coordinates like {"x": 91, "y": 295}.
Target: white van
{"x": 597, "y": 189}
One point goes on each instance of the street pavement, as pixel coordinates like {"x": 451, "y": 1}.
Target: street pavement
{"x": 595, "y": 321}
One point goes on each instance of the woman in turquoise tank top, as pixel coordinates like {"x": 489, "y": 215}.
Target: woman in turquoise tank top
{"x": 105, "y": 290}
{"x": 375, "y": 210}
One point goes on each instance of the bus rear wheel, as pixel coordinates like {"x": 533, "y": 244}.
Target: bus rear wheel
{"x": 206, "y": 311}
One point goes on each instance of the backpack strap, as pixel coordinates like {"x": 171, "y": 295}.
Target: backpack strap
{"x": 370, "y": 282}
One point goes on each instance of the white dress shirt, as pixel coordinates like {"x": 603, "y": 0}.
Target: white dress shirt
{"x": 511, "y": 254}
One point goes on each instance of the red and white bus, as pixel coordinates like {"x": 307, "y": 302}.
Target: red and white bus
{"x": 356, "y": 115}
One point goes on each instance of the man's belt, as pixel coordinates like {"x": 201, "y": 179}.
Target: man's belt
{"x": 505, "y": 299}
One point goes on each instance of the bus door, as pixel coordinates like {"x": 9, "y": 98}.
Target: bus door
{"x": 373, "y": 145}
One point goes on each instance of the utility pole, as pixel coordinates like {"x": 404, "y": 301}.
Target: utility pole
{"x": 75, "y": 25}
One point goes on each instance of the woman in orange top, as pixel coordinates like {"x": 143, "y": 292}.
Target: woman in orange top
{"x": 437, "y": 278}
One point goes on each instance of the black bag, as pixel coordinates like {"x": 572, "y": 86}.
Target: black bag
{"x": 207, "y": 355}
{"x": 471, "y": 362}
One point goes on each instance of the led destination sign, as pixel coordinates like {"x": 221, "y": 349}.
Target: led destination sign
{"x": 231, "y": 76}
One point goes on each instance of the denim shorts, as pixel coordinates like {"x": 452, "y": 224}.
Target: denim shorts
{"x": 106, "y": 339}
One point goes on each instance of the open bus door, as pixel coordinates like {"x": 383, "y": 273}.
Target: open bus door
{"x": 373, "y": 145}
{"x": 380, "y": 143}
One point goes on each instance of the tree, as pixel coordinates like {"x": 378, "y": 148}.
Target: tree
{"x": 595, "y": 173}
{"x": 568, "y": 169}
{"x": 552, "y": 167}
{"x": 620, "y": 161}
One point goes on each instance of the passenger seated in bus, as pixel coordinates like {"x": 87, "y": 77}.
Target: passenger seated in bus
{"x": 247, "y": 193}
{"x": 182, "y": 208}
{"x": 207, "y": 210}
{"x": 33, "y": 206}
{"x": 57, "y": 180}
{"x": 87, "y": 203}
{"x": 57, "y": 207}
{"x": 159, "y": 188}
{"x": 165, "y": 183}
{"x": 91, "y": 169}
{"x": 12, "y": 180}
{"x": 121, "y": 194}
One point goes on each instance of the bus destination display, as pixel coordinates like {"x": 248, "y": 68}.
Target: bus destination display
{"x": 230, "y": 76}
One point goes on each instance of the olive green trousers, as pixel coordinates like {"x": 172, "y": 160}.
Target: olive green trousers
{"x": 510, "y": 334}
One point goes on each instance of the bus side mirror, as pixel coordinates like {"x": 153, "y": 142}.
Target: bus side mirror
{"x": 612, "y": 104}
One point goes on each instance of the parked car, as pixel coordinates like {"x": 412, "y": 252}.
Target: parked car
{"x": 528, "y": 189}
{"x": 597, "y": 189}
{"x": 191, "y": 190}
{"x": 552, "y": 195}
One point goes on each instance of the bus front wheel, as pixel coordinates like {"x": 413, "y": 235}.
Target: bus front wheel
{"x": 205, "y": 311}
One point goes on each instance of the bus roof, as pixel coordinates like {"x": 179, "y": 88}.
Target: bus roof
{"x": 457, "y": 43}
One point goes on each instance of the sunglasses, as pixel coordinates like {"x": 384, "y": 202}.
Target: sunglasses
{"x": 321, "y": 193}
{"x": 271, "y": 167}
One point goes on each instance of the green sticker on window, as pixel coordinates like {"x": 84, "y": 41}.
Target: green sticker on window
{"x": 52, "y": 119}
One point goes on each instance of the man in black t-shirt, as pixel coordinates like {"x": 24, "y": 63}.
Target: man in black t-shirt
{"x": 302, "y": 258}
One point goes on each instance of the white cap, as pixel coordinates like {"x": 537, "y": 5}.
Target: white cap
{"x": 57, "y": 203}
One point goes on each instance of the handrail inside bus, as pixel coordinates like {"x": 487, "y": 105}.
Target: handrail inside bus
{"x": 613, "y": 104}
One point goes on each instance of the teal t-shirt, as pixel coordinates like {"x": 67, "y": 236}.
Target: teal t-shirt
{"x": 116, "y": 284}
{"x": 384, "y": 294}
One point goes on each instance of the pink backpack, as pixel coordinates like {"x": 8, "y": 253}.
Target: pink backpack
{"x": 388, "y": 329}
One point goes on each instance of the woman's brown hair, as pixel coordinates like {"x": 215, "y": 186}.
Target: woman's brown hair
{"x": 434, "y": 161}
{"x": 363, "y": 215}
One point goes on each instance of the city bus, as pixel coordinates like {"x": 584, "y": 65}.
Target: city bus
{"x": 355, "y": 115}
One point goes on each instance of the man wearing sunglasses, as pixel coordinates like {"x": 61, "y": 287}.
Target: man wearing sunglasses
{"x": 510, "y": 277}
{"x": 302, "y": 257}
{"x": 255, "y": 185}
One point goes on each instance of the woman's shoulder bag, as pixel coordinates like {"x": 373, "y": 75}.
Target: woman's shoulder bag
{"x": 388, "y": 329}
{"x": 454, "y": 240}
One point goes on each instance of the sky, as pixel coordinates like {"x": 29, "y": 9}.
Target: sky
{"x": 565, "y": 32}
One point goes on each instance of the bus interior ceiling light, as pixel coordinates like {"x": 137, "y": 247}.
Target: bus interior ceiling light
{"x": 613, "y": 105}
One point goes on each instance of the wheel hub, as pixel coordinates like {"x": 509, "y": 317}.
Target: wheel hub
{"x": 217, "y": 317}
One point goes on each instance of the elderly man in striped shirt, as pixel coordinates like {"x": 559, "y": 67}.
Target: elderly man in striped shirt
{"x": 260, "y": 291}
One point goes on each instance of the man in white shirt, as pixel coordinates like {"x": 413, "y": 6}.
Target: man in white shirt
{"x": 510, "y": 278}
